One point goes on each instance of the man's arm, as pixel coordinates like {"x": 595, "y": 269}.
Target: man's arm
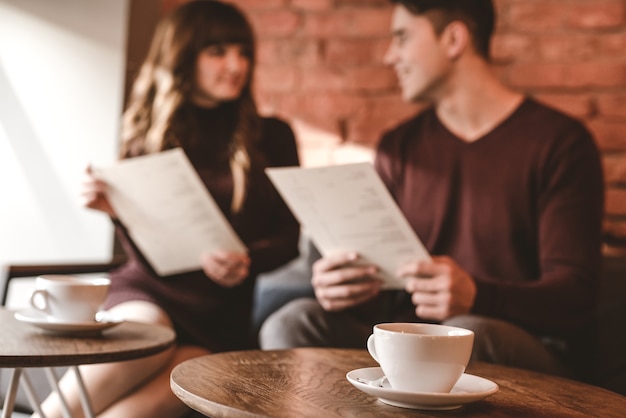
{"x": 570, "y": 211}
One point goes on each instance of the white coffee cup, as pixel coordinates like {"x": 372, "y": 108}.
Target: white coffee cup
{"x": 421, "y": 357}
{"x": 66, "y": 298}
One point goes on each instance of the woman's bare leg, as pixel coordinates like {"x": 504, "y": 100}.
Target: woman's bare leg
{"x": 155, "y": 398}
{"x": 109, "y": 382}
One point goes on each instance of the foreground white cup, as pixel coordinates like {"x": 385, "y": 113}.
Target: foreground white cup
{"x": 421, "y": 357}
{"x": 65, "y": 298}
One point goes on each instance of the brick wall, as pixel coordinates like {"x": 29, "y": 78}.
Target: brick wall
{"x": 320, "y": 68}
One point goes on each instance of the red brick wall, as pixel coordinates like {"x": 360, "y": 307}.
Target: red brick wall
{"x": 320, "y": 68}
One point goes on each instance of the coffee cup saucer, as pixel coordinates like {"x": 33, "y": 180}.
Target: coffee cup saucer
{"x": 39, "y": 319}
{"x": 468, "y": 389}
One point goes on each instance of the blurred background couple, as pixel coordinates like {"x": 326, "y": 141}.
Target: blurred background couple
{"x": 505, "y": 193}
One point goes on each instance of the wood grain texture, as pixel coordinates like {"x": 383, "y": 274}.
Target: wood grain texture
{"x": 311, "y": 382}
{"x": 23, "y": 345}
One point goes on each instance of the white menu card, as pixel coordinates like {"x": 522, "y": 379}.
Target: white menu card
{"x": 167, "y": 210}
{"x": 348, "y": 208}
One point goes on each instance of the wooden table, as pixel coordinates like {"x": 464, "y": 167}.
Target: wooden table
{"x": 311, "y": 382}
{"x": 22, "y": 345}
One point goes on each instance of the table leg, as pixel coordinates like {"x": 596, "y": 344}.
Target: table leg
{"x": 9, "y": 401}
{"x": 84, "y": 396}
{"x": 53, "y": 380}
{"x": 33, "y": 399}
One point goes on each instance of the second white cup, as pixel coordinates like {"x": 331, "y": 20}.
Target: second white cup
{"x": 66, "y": 298}
{"x": 421, "y": 357}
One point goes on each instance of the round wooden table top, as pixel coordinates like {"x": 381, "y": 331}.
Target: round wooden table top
{"x": 311, "y": 382}
{"x": 24, "y": 345}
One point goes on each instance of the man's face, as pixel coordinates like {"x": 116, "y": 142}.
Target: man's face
{"x": 417, "y": 55}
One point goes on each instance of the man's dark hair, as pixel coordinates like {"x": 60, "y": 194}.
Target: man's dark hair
{"x": 478, "y": 16}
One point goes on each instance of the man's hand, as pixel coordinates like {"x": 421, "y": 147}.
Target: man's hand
{"x": 228, "y": 269}
{"x": 439, "y": 289}
{"x": 340, "y": 284}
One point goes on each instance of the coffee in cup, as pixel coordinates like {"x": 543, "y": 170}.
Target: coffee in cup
{"x": 419, "y": 357}
{"x": 66, "y": 298}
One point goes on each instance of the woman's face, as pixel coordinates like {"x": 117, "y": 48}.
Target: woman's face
{"x": 221, "y": 74}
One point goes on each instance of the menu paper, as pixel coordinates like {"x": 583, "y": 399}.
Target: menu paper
{"x": 168, "y": 211}
{"x": 348, "y": 208}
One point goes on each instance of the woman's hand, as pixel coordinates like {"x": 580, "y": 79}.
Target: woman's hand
{"x": 226, "y": 268}
{"x": 93, "y": 193}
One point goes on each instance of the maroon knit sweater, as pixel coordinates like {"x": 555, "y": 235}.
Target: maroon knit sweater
{"x": 520, "y": 209}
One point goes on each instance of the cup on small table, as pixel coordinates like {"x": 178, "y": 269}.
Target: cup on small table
{"x": 419, "y": 357}
{"x": 66, "y": 298}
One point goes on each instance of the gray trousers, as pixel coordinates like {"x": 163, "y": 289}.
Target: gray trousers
{"x": 303, "y": 323}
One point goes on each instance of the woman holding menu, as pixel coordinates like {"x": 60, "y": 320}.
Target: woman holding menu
{"x": 194, "y": 92}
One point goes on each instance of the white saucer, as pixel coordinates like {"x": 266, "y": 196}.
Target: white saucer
{"x": 40, "y": 320}
{"x": 468, "y": 389}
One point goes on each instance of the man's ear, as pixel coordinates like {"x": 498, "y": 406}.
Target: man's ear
{"x": 456, "y": 39}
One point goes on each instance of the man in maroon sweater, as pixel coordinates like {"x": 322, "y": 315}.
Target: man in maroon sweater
{"x": 506, "y": 194}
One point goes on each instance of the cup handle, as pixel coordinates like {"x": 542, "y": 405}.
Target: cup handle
{"x": 39, "y": 300}
{"x": 371, "y": 347}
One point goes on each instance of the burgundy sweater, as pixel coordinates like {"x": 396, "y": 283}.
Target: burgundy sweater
{"x": 204, "y": 313}
{"x": 520, "y": 209}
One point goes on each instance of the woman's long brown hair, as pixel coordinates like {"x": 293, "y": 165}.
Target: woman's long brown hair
{"x": 153, "y": 121}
